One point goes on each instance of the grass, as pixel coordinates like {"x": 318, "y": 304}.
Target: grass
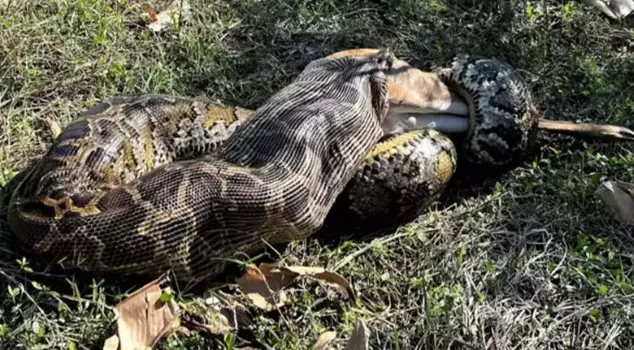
{"x": 535, "y": 262}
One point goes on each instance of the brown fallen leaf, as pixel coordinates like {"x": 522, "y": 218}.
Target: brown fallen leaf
{"x": 143, "y": 318}
{"x": 53, "y": 126}
{"x": 264, "y": 284}
{"x": 218, "y": 315}
{"x": 151, "y": 11}
{"x": 324, "y": 340}
{"x": 359, "y": 340}
{"x": 619, "y": 197}
{"x": 264, "y": 287}
{"x": 321, "y": 274}
{"x": 614, "y": 9}
{"x": 177, "y": 11}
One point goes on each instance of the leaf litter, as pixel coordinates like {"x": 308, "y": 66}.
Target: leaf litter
{"x": 264, "y": 284}
{"x": 144, "y": 318}
{"x": 150, "y": 314}
{"x": 177, "y": 12}
{"x": 359, "y": 339}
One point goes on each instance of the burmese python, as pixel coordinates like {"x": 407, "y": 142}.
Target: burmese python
{"x": 140, "y": 184}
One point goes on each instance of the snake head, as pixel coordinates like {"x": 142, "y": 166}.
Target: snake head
{"x": 502, "y": 118}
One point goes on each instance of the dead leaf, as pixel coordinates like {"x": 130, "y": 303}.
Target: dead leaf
{"x": 359, "y": 340}
{"x": 218, "y": 324}
{"x": 151, "y": 12}
{"x": 236, "y": 313}
{"x": 53, "y": 126}
{"x": 619, "y": 197}
{"x": 622, "y": 8}
{"x": 324, "y": 341}
{"x": 264, "y": 284}
{"x": 327, "y": 276}
{"x": 143, "y": 319}
{"x": 614, "y": 9}
{"x": 177, "y": 11}
{"x": 263, "y": 287}
{"x": 219, "y": 315}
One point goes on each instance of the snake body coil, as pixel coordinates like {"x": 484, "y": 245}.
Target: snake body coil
{"x": 503, "y": 119}
{"x": 138, "y": 185}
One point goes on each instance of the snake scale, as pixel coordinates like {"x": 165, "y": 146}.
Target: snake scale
{"x": 141, "y": 184}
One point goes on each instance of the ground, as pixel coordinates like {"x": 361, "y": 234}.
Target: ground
{"x": 536, "y": 262}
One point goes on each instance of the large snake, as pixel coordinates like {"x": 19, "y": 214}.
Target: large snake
{"x": 142, "y": 184}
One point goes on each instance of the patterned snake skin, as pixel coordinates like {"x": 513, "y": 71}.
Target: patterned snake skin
{"x": 504, "y": 120}
{"x": 142, "y": 184}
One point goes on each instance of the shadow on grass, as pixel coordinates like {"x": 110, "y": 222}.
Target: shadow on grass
{"x": 276, "y": 39}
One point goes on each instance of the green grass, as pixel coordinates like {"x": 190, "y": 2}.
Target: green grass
{"x": 536, "y": 263}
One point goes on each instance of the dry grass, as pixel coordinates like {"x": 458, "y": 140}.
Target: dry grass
{"x": 534, "y": 263}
